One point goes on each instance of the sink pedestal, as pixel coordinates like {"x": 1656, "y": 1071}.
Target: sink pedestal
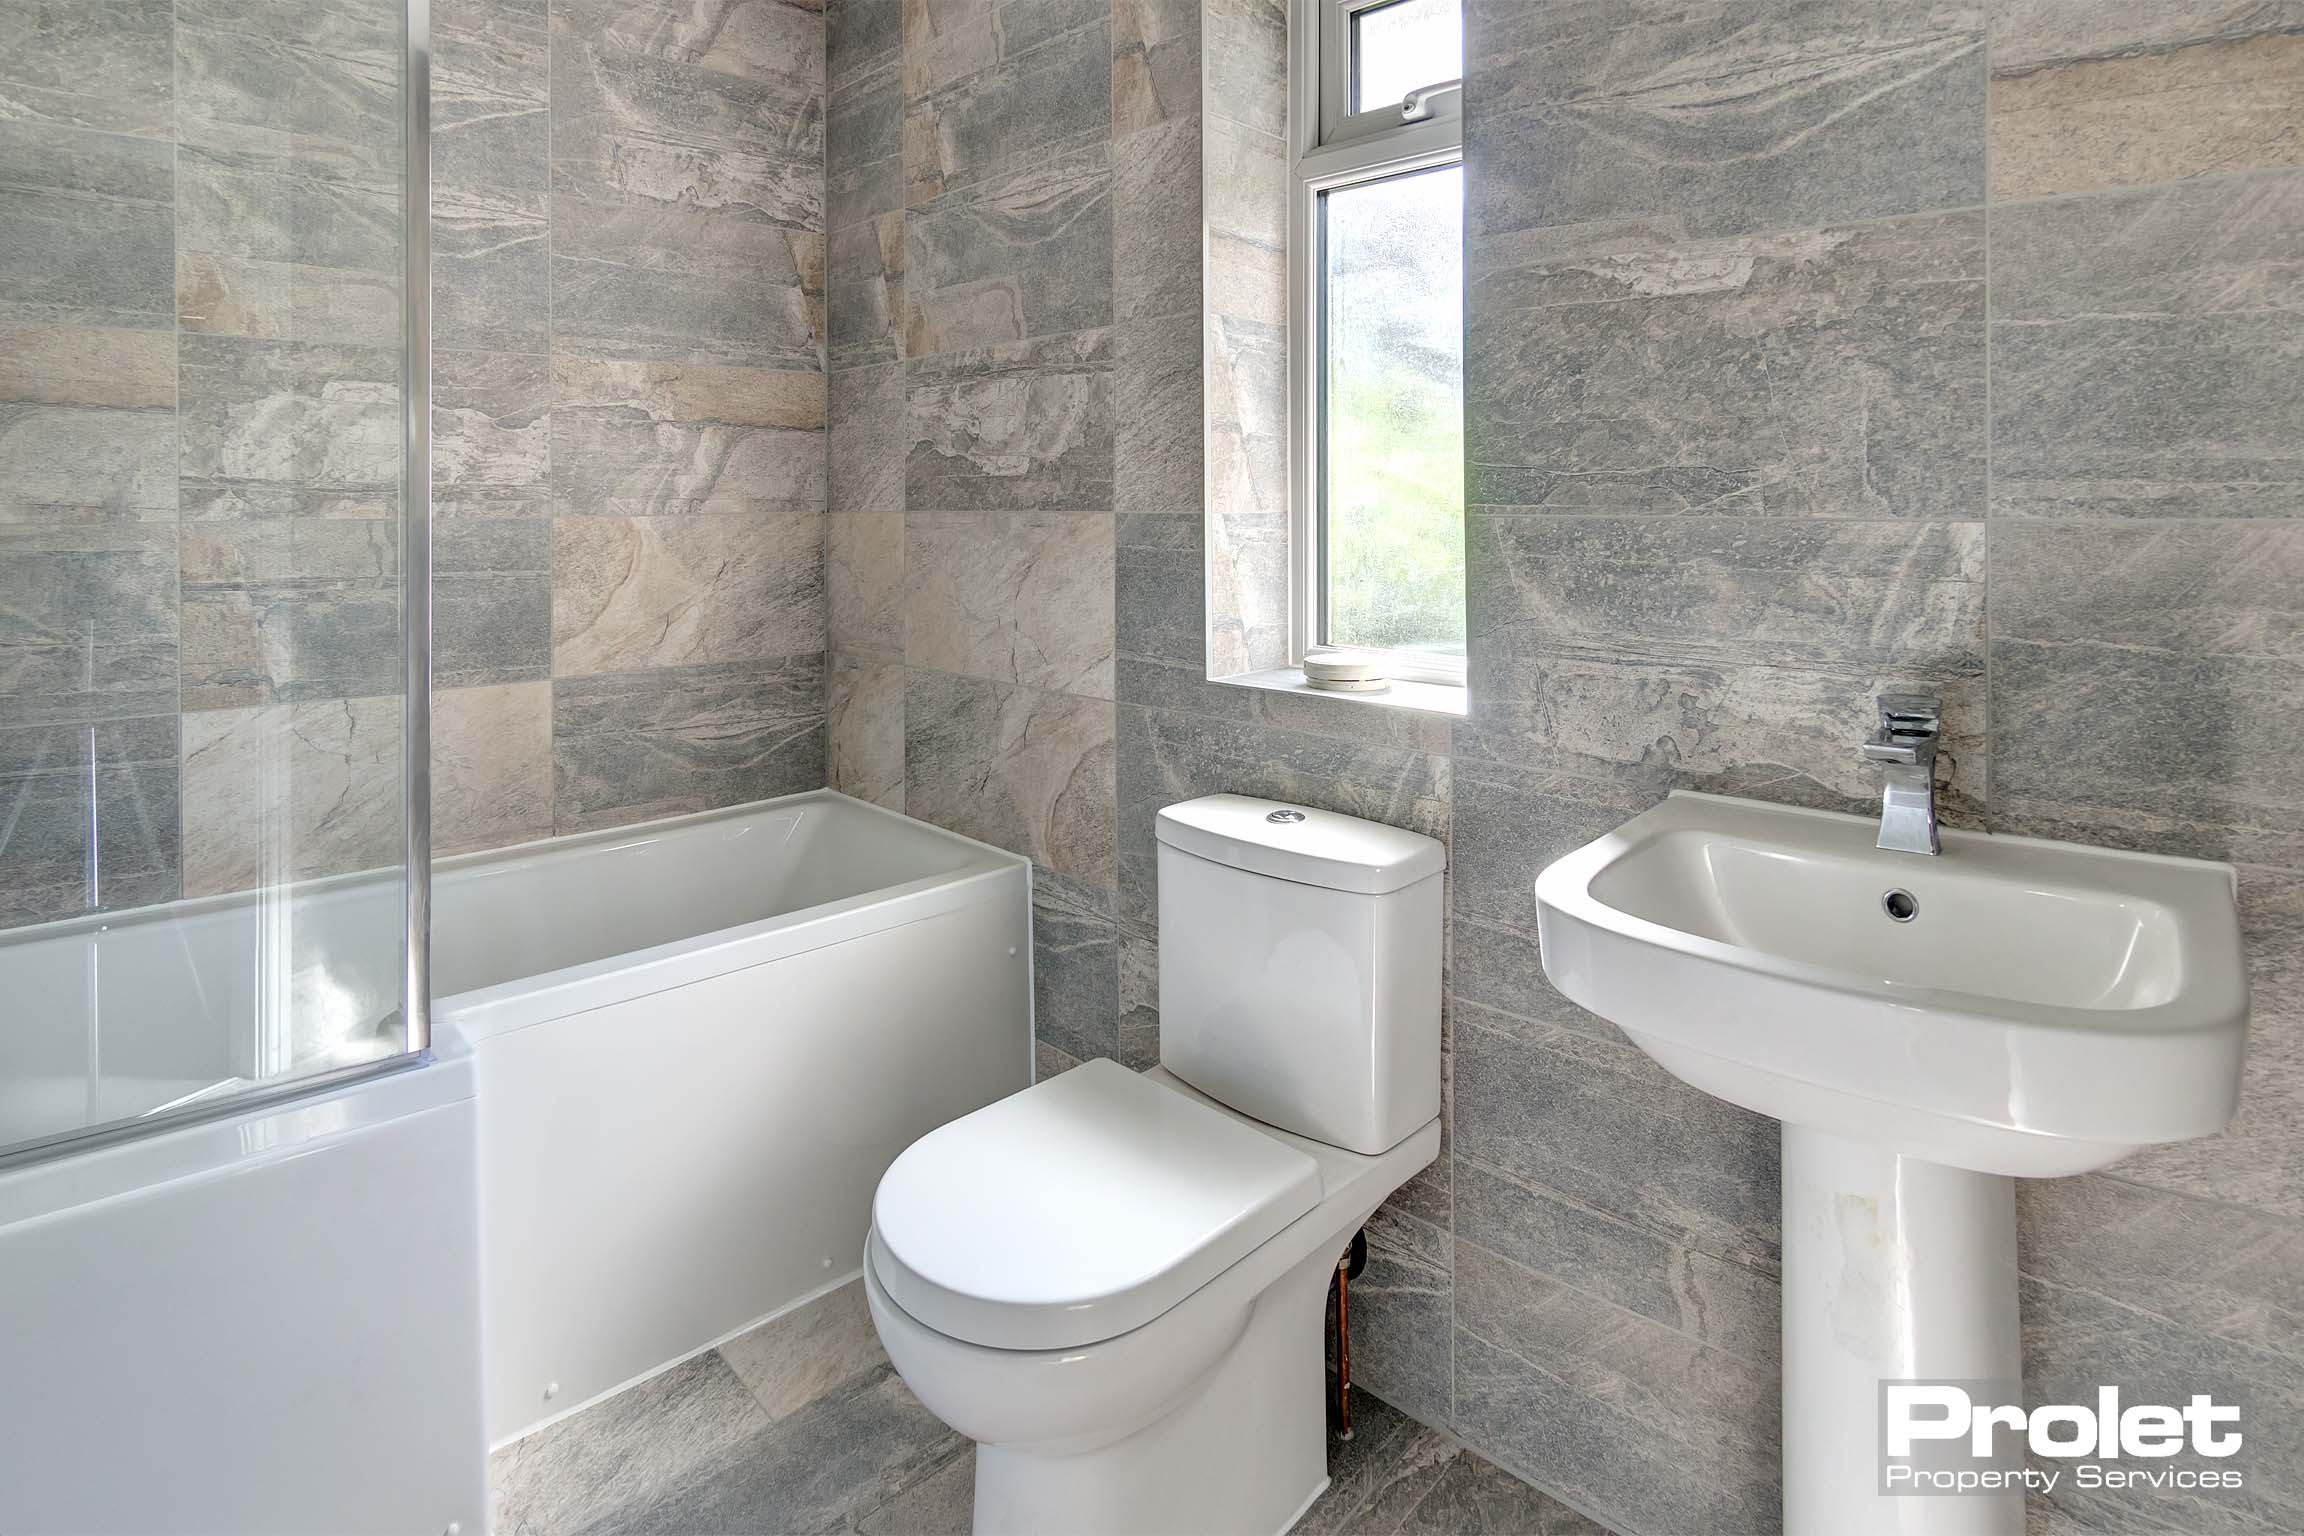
{"x": 1894, "y": 1268}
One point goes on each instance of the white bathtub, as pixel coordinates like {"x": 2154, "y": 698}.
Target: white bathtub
{"x": 699, "y": 1044}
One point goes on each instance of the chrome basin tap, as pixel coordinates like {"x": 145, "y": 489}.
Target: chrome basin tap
{"x": 1905, "y": 748}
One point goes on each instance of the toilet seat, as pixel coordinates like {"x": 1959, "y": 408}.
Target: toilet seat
{"x": 1079, "y": 1209}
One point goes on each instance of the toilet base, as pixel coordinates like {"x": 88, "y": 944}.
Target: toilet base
{"x": 1244, "y": 1454}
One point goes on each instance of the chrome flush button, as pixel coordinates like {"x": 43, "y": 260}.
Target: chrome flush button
{"x": 1285, "y": 817}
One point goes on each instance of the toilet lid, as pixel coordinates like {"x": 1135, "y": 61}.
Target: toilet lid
{"x": 1078, "y": 1209}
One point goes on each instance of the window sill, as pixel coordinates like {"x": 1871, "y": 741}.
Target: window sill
{"x": 1424, "y": 698}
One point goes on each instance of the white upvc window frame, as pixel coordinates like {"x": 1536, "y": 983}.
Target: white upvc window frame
{"x": 1331, "y": 147}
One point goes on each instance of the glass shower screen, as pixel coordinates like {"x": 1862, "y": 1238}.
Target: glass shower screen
{"x": 213, "y": 555}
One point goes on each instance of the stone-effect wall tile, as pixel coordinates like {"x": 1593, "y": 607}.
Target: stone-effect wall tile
{"x": 1830, "y": 373}
{"x": 1022, "y": 427}
{"x": 102, "y": 64}
{"x": 864, "y": 583}
{"x": 1030, "y": 772}
{"x": 863, "y": 129}
{"x": 87, "y": 424}
{"x": 662, "y": 743}
{"x": 1075, "y": 967}
{"x": 869, "y": 435}
{"x": 1155, "y": 63}
{"x": 1645, "y": 111}
{"x": 491, "y": 435}
{"x": 2144, "y": 678}
{"x": 661, "y": 439}
{"x": 56, "y": 781}
{"x": 865, "y": 731}
{"x": 1024, "y": 599}
{"x": 1244, "y": 61}
{"x": 491, "y": 766}
{"x": 491, "y": 601}
{"x": 287, "y": 609}
{"x": 989, "y": 123}
{"x": 2144, "y": 350}
{"x": 1027, "y": 255}
{"x": 1156, "y": 221}
{"x": 289, "y": 792}
{"x": 1158, "y": 416}
{"x": 1160, "y": 612}
{"x": 91, "y": 227}
{"x": 865, "y": 292}
{"x": 633, "y": 594}
{"x": 88, "y": 622}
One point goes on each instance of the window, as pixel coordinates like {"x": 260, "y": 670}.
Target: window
{"x": 1377, "y": 350}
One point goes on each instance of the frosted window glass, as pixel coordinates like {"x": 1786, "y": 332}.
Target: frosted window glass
{"x": 1398, "y": 47}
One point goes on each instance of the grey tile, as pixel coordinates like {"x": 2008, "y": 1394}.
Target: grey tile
{"x": 1027, "y": 255}
{"x": 1022, "y": 427}
{"x": 1075, "y": 967}
{"x": 491, "y": 275}
{"x": 90, "y": 232}
{"x": 2030, "y": 33}
{"x": 1167, "y": 756}
{"x": 864, "y": 584}
{"x": 256, "y": 89}
{"x": 844, "y": 1453}
{"x": 1139, "y": 986}
{"x": 87, "y": 424}
{"x": 943, "y": 1503}
{"x": 1478, "y": 1498}
{"x": 1638, "y": 1424}
{"x": 1027, "y": 771}
{"x": 1156, "y": 62}
{"x": 1400, "y": 1309}
{"x": 862, "y": 37}
{"x": 863, "y": 129}
{"x": 88, "y": 817}
{"x": 612, "y": 1461}
{"x": 1730, "y": 1306}
{"x": 88, "y": 622}
{"x": 251, "y": 209}
{"x": 789, "y": 1362}
{"x": 1616, "y": 112}
{"x": 648, "y": 744}
{"x": 634, "y": 593}
{"x": 1019, "y": 598}
{"x": 1502, "y": 971}
{"x": 270, "y": 427}
{"x": 1607, "y": 1129}
{"x": 2142, "y": 676}
{"x": 1378, "y": 1477}
{"x": 1829, "y": 373}
{"x": 632, "y": 439}
{"x": 290, "y": 791}
{"x": 1156, "y": 212}
{"x": 491, "y": 601}
{"x": 763, "y": 308}
{"x": 1182, "y": 682}
{"x": 1244, "y": 61}
{"x": 103, "y": 64}
{"x": 1158, "y": 416}
{"x": 287, "y": 641}
{"x": 491, "y": 434}
{"x": 2143, "y": 344}
{"x": 864, "y": 292}
{"x": 1160, "y": 596}
{"x": 864, "y": 731}
{"x": 870, "y": 434}
{"x": 1507, "y": 823}
{"x": 991, "y": 123}
{"x": 1048, "y": 1062}
{"x": 491, "y": 96}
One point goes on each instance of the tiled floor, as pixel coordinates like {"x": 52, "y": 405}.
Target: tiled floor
{"x": 801, "y": 1427}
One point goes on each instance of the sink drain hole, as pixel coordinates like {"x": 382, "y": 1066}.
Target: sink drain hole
{"x": 1903, "y": 906}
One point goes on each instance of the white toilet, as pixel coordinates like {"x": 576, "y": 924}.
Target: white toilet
{"x": 1116, "y": 1284}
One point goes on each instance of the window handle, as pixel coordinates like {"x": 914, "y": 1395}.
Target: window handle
{"x": 1416, "y": 106}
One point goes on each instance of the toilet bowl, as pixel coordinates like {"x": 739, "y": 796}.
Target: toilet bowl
{"x": 1208, "y": 1416}
{"x": 1116, "y": 1284}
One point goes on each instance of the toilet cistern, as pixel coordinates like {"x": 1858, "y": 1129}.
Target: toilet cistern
{"x": 1905, "y": 748}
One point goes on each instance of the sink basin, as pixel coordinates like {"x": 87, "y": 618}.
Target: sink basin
{"x": 2012, "y": 1006}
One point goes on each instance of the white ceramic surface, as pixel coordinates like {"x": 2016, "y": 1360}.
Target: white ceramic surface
{"x": 734, "y": 1023}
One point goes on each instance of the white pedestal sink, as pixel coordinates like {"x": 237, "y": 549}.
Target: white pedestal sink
{"x": 1927, "y": 1029}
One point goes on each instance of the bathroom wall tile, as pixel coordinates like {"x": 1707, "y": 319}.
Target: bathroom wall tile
{"x": 865, "y": 292}
{"x": 2143, "y": 347}
{"x": 1830, "y": 373}
{"x": 761, "y": 307}
{"x": 1159, "y": 593}
{"x": 1616, "y": 112}
{"x": 90, "y": 233}
{"x": 865, "y": 731}
{"x": 1607, "y": 1129}
{"x": 1477, "y": 1495}
{"x": 2122, "y": 116}
{"x": 1156, "y": 218}
{"x": 863, "y": 131}
{"x": 491, "y": 95}
{"x": 219, "y": 294}
{"x": 633, "y": 439}
{"x": 274, "y": 427}
{"x": 1048, "y": 1062}
{"x": 262, "y": 248}
{"x": 693, "y": 738}
{"x": 1023, "y": 598}
{"x": 491, "y": 273}
{"x": 491, "y": 601}
{"x": 2029, "y": 33}
{"x": 1029, "y": 254}
{"x": 1245, "y": 181}
{"x": 861, "y": 37}
{"x": 1156, "y": 56}
{"x": 87, "y": 424}
{"x": 1728, "y": 1306}
{"x": 1030, "y": 772}
{"x": 870, "y": 434}
{"x": 1506, "y": 823}
{"x": 59, "y": 780}
{"x": 2077, "y": 1336}
{"x": 258, "y": 89}
{"x": 791, "y": 1361}
{"x": 491, "y": 766}
{"x": 2143, "y": 676}
{"x": 2258, "y": 1161}
{"x": 291, "y": 609}
{"x": 1384, "y": 1473}
{"x": 1167, "y": 756}
{"x": 290, "y": 791}
{"x": 1139, "y": 999}
{"x": 1037, "y": 100}
{"x": 1075, "y": 967}
{"x": 88, "y": 623}
{"x": 635, "y": 593}
{"x": 864, "y": 584}
{"x": 1501, "y": 970}
{"x": 491, "y": 435}
{"x": 1158, "y": 416}
{"x": 102, "y": 64}
{"x": 1184, "y": 685}
{"x": 1021, "y": 427}
{"x": 1400, "y": 1308}
{"x": 1244, "y": 61}
{"x": 1635, "y": 1422}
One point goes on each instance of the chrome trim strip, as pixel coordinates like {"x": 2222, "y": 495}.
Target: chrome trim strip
{"x": 416, "y": 526}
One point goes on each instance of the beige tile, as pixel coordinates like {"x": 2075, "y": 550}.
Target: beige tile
{"x": 633, "y": 593}
{"x": 1024, "y": 599}
{"x": 864, "y": 582}
{"x": 865, "y": 745}
{"x": 491, "y": 766}
{"x": 795, "y": 1359}
{"x": 286, "y": 792}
